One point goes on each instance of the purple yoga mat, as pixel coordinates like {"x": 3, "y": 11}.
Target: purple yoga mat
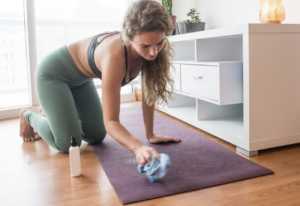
{"x": 197, "y": 162}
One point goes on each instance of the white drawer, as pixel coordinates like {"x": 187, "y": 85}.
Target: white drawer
{"x": 175, "y": 73}
{"x": 219, "y": 83}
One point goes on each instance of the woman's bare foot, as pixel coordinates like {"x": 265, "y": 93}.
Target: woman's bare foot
{"x": 37, "y": 136}
{"x": 41, "y": 112}
{"x": 26, "y": 131}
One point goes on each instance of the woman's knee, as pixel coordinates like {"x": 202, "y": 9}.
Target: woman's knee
{"x": 64, "y": 150}
{"x": 95, "y": 138}
{"x": 63, "y": 147}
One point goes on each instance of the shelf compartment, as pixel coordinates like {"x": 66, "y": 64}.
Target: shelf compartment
{"x": 182, "y": 101}
{"x": 220, "y": 49}
{"x": 188, "y": 112}
{"x": 185, "y": 50}
{"x": 209, "y": 111}
{"x": 230, "y": 129}
{"x": 181, "y": 107}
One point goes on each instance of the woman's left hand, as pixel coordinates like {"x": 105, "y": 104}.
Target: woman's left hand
{"x": 160, "y": 138}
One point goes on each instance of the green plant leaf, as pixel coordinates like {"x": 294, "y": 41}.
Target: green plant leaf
{"x": 194, "y": 16}
{"x": 168, "y": 6}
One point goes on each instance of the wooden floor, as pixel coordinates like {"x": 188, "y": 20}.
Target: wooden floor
{"x": 47, "y": 181}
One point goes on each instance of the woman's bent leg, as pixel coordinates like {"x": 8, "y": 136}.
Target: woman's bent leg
{"x": 61, "y": 121}
{"x": 55, "y": 77}
{"x": 90, "y": 112}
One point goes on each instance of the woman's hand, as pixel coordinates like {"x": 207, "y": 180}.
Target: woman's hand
{"x": 143, "y": 154}
{"x": 160, "y": 138}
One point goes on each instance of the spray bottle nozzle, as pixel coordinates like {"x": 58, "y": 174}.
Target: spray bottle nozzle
{"x": 73, "y": 141}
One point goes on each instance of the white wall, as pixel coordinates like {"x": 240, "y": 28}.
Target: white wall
{"x": 221, "y": 13}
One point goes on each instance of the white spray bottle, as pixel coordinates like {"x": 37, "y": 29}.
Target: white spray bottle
{"x": 74, "y": 154}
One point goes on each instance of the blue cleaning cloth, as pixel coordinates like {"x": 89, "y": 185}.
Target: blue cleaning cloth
{"x": 156, "y": 170}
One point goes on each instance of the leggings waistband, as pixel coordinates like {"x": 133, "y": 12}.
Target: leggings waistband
{"x": 60, "y": 65}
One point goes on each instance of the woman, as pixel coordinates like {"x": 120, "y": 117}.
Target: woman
{"x": 68, "y": 95}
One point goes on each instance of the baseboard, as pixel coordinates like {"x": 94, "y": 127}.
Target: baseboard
{"x": 13, "y": 113}
{"x": 276, "y": 142}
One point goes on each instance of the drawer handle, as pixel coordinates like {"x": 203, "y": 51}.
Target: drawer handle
{"x": 198, "y": 77}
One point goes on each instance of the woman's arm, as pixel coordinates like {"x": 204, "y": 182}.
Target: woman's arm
{"x": 148, "y": 115}
{"x": 113, "y": 71}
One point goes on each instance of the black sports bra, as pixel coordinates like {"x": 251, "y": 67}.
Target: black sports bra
{"x": 91, "y": 59}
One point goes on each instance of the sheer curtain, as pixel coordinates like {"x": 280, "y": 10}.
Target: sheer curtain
{"x": 73, "y": 20}
{"x": 14, "y": 90}
{"x": 48, "y": 25}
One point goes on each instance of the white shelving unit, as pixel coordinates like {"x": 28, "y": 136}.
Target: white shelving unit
{"x": 241, "y": 84}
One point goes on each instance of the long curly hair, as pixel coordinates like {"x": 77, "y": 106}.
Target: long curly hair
{"x": 147, "y": 16}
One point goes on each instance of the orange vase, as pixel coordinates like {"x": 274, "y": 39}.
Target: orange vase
{"x": 138, "y": 94}
{"x": 271, "y": 11}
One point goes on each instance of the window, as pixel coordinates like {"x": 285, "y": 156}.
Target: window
{"x": 74, "y": 20}
{"x": 58, "y": 22}
{"x": 14, "y": 87}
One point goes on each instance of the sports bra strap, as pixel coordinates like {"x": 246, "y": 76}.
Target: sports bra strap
{"x": 91, "y": 59}
{"x": 110, "y": 34}
{"x": 124, "y": 80}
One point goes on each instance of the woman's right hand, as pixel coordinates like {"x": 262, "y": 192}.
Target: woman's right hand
{"x": 143, "y": 154}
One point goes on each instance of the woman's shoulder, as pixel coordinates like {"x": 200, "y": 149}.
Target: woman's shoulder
{"x": 107, "y": 42}
{"x": 111, "y": 48}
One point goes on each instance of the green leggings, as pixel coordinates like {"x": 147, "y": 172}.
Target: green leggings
{"x": 70, "y": 101}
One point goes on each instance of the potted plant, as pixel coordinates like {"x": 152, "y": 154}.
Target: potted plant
{"x": 168, "y": 6}
{"x": 193, "y": 24}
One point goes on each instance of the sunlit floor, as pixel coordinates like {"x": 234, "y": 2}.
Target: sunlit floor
{"x": 47, "y": 181}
